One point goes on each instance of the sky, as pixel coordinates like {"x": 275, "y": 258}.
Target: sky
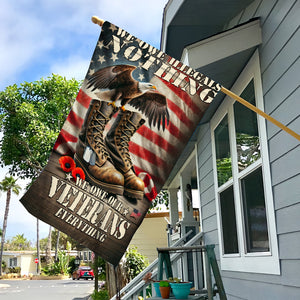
{"x": 41, "y": 37}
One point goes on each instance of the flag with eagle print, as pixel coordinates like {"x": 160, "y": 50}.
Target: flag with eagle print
{"x": 131, "y": 76}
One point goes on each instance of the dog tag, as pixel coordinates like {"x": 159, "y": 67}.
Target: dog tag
{"x": 87, "y": 154}
{"x": 93, "y": 159}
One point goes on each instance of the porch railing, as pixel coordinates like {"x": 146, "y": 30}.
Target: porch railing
{"x": 137, "y": 286}
{"x": 210, "y": 265}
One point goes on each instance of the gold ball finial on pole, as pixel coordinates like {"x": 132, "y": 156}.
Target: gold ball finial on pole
{"x": 98, "y": 21}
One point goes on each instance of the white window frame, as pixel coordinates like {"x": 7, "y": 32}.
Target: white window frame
{"x": 254, "y": 262}
{"x": 13, "y": 262}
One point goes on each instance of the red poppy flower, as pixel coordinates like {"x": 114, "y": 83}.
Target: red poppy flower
{"x": 78, "y": 172}
{"x": 67, "y": 163}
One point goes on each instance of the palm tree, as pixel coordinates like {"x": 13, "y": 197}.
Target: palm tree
{"x": 38, "y": 265}
{"x": 19, "y": 242}
{"x": 8, "y": 185}
{"x": 48, "y": 248}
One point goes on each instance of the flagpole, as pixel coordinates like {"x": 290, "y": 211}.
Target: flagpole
{"x": 97, "y": 20}
{"x": 100, "y": 22}
{"x": 260, "y": 112}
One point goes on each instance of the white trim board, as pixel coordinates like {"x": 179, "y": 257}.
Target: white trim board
{"x": 223, "y": 45}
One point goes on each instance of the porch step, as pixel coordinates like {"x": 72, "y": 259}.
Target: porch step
{"x": 196, "y": 297}
{"x": 202, "y": 293}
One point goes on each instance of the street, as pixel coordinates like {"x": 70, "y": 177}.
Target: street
{"x": 45, "y": 289}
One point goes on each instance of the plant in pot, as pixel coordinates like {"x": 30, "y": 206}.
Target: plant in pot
{"x": 180, "y": 289}
{"x": 164, "y": 287}
{"x": 148, "y": 278}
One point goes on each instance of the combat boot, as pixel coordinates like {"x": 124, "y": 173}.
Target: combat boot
{"x": 91, "y": 153}
{"x": 117, "y": 143}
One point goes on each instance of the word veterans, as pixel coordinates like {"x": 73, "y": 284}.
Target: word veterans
{"x": 89, "y": 209}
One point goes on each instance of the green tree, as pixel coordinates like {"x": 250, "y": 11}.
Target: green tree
{"x": 135, "y": 262}
{"x": 19, "y": 242}
{"x": 161, "y": 201}
{"x": 60, "y": 267}
{"x": 63, "y": 240}
{"x": 43, "y": 244}
{"x": 31, "y": 116}
{"x": 8, "y": 185}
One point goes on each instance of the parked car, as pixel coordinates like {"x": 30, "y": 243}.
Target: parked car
{"x": 84, "y": 272}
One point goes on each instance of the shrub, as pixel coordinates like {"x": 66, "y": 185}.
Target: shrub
{"x": 14, "y": 270}
{"x": 164, "y": 283}
{"x": 101, "y": 295}
{"x": 99, "y": 267}
{"x": 3, "y": 265}
{"x": 135, "y": 262}
{"x": 60, "y": 267}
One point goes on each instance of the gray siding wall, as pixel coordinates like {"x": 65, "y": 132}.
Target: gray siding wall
{"x": 280, "y": 67}
{"x": 206, "y": 187}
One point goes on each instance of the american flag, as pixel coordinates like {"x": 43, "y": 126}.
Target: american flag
{"x": 153, "y": 152}
{"x": 135, "y": 214}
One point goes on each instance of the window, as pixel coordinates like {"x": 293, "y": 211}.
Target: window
{"x": 230, "y": 241}
{"x": 255, "y": 212}
{"x": 223, "y": 156}
{"x": 246, "y": 221}
{"x": 13, "y": 262}
{"x": 85, "y": 255}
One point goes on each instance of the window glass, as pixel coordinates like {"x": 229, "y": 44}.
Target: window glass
{"x": 13, "y": 262}
{"x": 230, "y": 241}
{"x": 255, "y": 212}
{"x": 223, "y": 157}
{"x": 247, "y": 138}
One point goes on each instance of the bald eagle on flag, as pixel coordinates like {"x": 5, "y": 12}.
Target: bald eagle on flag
{"x": 117, "y": 86}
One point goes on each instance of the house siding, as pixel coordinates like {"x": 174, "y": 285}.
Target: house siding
{"x": 279, "y": 61}
{"x": 206, "y": 187}
{"x": 150, "y": 235}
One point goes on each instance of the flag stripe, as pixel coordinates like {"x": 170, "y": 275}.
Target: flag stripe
{"x": 148, "y": 145}
{"x": 83, "y": 98}
{"x": 150, "y": 189}
{"x": 184, "y": 97}
{"x": 79, "y": 109}
{"x": 175, "y": 131}
{"x": 152, "y": 194}
{"x": 156, "y": 139}
{"x": 74, "y": 119}
{"x": 63, "y": 138}
{"x": 158, "y": 175}
{"x": 180, "y": 114}
{"x": 147, "y": 155}
{"x": 153, "y": 177}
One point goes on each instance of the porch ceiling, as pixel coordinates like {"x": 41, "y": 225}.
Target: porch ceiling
{"x": 188, "y": 21}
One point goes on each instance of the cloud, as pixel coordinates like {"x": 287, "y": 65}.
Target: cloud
{"x": 73, "y": 66}
{"x": 142, "y": 19}
{"x": 21, "y": 39}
